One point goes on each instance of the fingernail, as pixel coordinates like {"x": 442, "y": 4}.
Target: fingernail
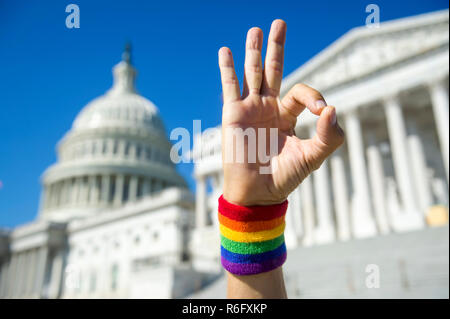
{"x": 333, "y": 116}
{"x": 320, "y": 104}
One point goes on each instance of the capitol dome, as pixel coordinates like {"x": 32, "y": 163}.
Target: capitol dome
{"x": 127, "y": 109}
{"x": 116, "y": 152}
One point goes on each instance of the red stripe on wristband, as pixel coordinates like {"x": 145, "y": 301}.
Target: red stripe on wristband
{"x": 251, "y": 213}
{"x": 248, "y": 227}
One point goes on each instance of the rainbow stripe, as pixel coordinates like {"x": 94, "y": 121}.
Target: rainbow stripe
{"x": 252, "y": 238}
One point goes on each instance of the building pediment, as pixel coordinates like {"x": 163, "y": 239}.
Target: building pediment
{"x": 364, "y": 51}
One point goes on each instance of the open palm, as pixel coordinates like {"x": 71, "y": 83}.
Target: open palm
{"x": 259, "y": 107}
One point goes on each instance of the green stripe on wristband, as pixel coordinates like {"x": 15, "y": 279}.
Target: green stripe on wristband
{"x": 251, "y": 248}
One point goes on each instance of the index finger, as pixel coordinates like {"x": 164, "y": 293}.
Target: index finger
{"x": 230, "y": 83}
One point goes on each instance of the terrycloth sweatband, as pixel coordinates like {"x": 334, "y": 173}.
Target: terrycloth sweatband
{"x": 252, "y": 237}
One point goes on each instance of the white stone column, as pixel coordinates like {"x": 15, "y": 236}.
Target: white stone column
{"x": 12, "y": 275}
{"x": 307, "y": 200}
{"x": 439, "y": 100}
{"x": 132, "y": 195}
{"x": 25, "y": 273}
{"x": 295, "y": 203}
{"x": 105, "y": 188}
{"x": 325, "y": 231}
{"x": 97, "y": 190}
{"x": 41, "y": 271}
{"x": 340, "y": 192}
{"x": 76, "y": 191}
{"x": 32, "y": 272}
{"x": 377, "y": 178}
{"x": 412, "y": 218}
{"x": 290, "y": 235}
{"x": 200, "y": 202}
{"x": 65, "y": 193}
{"x": 419, "y": 169}
{"x": 22, "y": 273}
{"x": 61, "y": 193}
{"x": 85, "y": 188}
{"x": 58, "y": 194}
{"x": 18, "y": 282}
{"x": 5, "y": 278}
{"x": 56, "y": 276}
{"x": 92, "y": 191}
{"x": 363, "y": 224}
{"x": 55, "y": 190}
{"x": 118, "y": 196}
{"x": 51, "y": 196}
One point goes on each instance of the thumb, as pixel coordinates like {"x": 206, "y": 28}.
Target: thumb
{"x": 329, "y": 136}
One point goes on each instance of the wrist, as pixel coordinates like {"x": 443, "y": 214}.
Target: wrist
{"x": 252, "y": 237}
{"x": 245, "y": 196}
{"x": 238, "y": 198}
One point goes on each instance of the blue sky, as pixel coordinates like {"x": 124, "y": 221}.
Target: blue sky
{"x": 48, "y": 72}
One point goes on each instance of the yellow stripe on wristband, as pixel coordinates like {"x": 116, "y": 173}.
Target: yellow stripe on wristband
{"x": 254, "y": 236}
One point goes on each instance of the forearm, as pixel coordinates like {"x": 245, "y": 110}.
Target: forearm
{"x": 268, "y": 285}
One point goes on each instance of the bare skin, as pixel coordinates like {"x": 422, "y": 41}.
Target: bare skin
{"x": 260, "y": 106}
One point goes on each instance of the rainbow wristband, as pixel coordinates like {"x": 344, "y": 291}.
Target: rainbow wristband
{"x": 252, "y": 238}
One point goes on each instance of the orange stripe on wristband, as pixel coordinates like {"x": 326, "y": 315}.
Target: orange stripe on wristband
{"x": 253, "y": 226}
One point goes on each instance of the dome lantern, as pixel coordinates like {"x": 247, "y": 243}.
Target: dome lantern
{"x": 124, "y": 74}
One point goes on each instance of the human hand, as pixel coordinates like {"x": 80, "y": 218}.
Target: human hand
{"x": 259, "y": 107}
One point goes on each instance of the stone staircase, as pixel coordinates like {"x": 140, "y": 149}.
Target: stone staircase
{"x": 409, "y": 265}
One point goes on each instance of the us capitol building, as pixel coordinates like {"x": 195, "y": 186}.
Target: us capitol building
{"x": 112, "y": 206}
{"x": 116, "y": 220}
